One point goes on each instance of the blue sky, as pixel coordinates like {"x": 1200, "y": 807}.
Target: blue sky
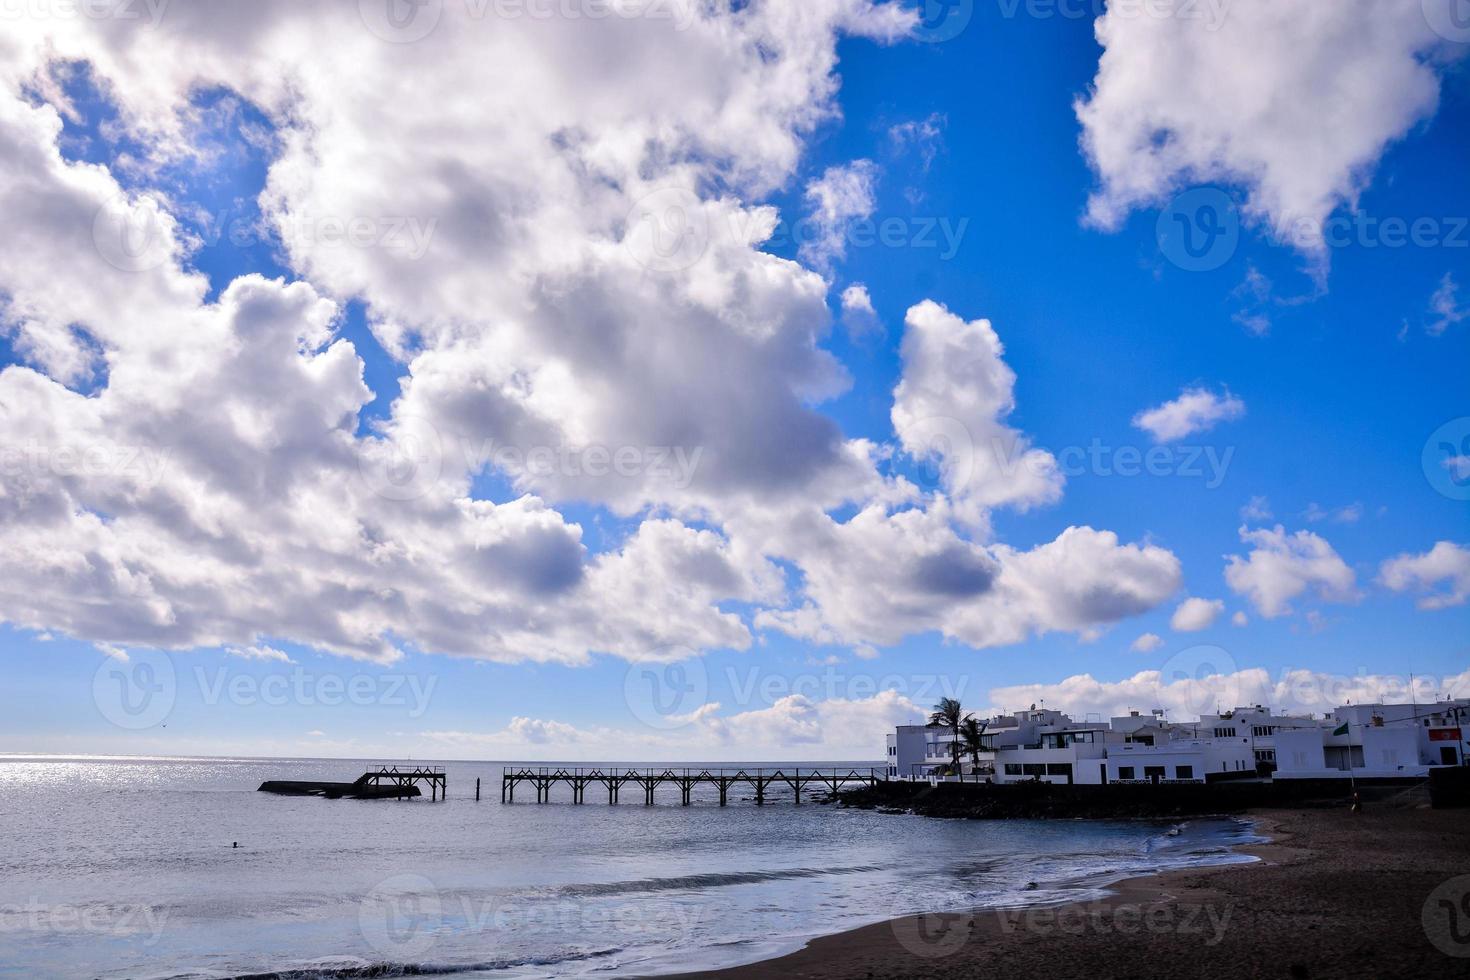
{"x": 1340, "y": 394}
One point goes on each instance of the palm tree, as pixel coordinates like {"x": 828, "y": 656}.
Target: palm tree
{"x": 971, "y": 731}
{"x": 949, "y": 714}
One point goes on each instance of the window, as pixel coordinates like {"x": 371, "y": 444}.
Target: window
{"x": 1262, "y": 731}
{"x": 1013, "y": 769}
{"x": 1184, "y": 772}
{"x": 1033, "y": 769}
{"x": 1125, "y": 772}
{"x": 1059, "y": 768}
{"x": 1224, "y": 733}
{"x": 1153, "y": 772}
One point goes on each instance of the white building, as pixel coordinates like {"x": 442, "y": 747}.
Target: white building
{"x": 1364, "y": 741}
{"x": 1368, "y": 741}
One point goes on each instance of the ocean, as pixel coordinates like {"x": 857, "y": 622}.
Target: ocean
{"x": 125, "y": 867}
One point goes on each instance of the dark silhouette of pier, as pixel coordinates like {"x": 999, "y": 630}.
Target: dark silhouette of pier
{"x": 383, "y": 782}
{"x": 648, "y": 780}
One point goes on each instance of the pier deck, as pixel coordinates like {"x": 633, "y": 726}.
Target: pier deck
{"x": 686, "y": 779}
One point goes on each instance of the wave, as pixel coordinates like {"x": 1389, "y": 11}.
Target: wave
{"x": 714, "y": 880}
{"x": 364, "y": 970}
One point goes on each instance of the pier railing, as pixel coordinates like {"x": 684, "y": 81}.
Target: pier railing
{"x": 686, "y": 778}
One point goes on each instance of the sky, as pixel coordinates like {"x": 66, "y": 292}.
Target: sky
{"x": 659, "y": 380}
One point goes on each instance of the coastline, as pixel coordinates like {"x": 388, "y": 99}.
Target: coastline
{"x": 1332, "y": 893}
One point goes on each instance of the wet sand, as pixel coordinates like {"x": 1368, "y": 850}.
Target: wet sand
{"x": 1335, "y": 894}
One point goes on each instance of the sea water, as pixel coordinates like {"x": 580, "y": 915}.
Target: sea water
{"x": 124, "y": 867}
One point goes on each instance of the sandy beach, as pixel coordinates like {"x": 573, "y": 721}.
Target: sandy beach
{"x": 1334, "y": 894}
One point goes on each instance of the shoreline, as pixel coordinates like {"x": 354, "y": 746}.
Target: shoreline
{"x": 1331, "y": 893}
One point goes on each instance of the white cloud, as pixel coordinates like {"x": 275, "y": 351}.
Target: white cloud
{"x": 950, "y": 405}
{"x": 832, "y": 728}
{"x": 1195, "y": 410}
{"x": 1293, "y": 100}
{"x": 1184, "y": 695}
{"x": 1239, "y": 618}
{"x": 585, "y": 278}
{"x": 840, "y": 196}
{"x": 1281, "y": 567}
{"x": 1256, "y": 509}
{"x": 1193, "y": 615}
{"x": 1348, "y": 514}
{"x": 261, "y": 652}
{"x": 858, "y": 315}
{"x": 1446, "y": 562}
{"x": 1445, "y": 305}
{"x": 1147, "y": 643}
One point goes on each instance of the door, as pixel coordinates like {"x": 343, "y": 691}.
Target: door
{"x": 1447, "y": 755}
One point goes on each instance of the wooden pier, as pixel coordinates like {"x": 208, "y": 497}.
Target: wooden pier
{"x": 648, "y": 780}
{"x": 402, "y": 777}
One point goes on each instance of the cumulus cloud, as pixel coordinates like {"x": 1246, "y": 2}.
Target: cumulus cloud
{"x": 1347, "y": 514}
{"x": 1195, "y": 410}
{"x": 1446, "y": 563}
{"x": 581, "y": 314}
{"x": 832, "y": 728}
{"x": 858, "y": 315}
{"x": 1181, "y": 100}
{"x": 950, "y": 406}
{"x": 1147, "y": 643}
{"x": 840, "y": 196}
{"x": 1255, "y": 510}
{"x": 1184, "y": 695}
{"x": 1193, "y": 615}
{"x": 1281, "y": 567}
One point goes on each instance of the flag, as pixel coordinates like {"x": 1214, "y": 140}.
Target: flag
{"x": 1341, "y": 729}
